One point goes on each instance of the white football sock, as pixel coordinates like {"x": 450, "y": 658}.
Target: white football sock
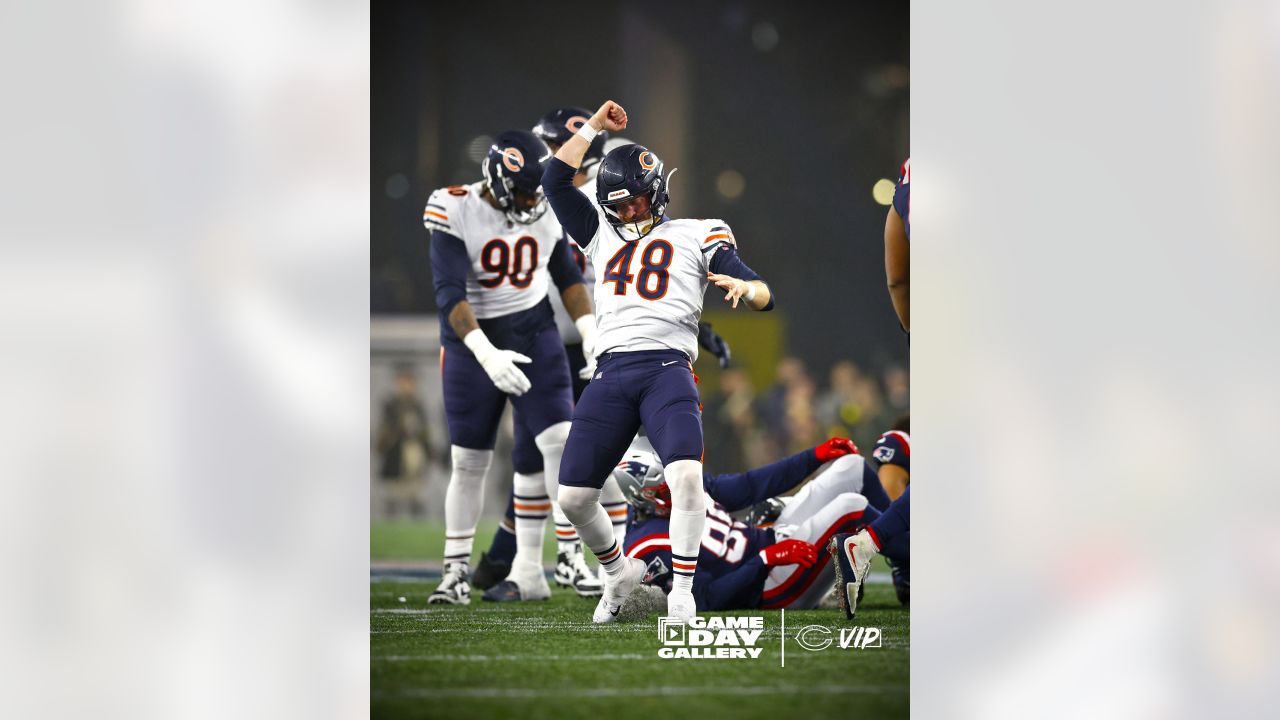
{"x": 532, "y": 507}
{"x": 550, "y": 443}
{"x": 688, "y": 515}
{"x": 463, "y": 500}
{"x": 615, "y": 505}
{"x": 582, "y": 507}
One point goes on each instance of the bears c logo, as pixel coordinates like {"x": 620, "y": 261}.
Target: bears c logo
{"x": 513, "y": 159}
{"x": 646, "y": 160}
{"x": 575, "y": 123}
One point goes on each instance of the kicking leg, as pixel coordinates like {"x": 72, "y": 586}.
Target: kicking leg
{"x": 604, "y": 424}
{"x": 673, "y": 420}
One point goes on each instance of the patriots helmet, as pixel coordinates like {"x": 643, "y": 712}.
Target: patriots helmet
{"x": 513, "y": 174}
{"x": 556, "y": 127}
{"x": 639, "y": 475}
{"x": 626, "y": 173}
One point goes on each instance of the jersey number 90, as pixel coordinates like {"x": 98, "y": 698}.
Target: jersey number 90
{"x": 508, "y": 261}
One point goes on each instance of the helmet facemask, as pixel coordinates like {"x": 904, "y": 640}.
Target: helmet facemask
{"x": 639, "y": 476}
{"x": 504, "y": 189}
{"x": 639, "y": 228}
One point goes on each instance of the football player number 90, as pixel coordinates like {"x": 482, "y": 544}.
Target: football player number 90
{"x": 509, "y": 262}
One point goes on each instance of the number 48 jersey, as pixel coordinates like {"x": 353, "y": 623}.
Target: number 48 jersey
{"x": 508, "y": 260}
{"x": 648, "y": 292}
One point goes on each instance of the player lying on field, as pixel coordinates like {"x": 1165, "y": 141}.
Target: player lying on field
{"x": 741, "y": 565}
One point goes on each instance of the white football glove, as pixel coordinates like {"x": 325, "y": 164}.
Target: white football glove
{"x": 499, "y": 364}
{"x": 587, "y": 329}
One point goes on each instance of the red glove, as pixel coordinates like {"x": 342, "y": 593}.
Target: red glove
{"x": 834, "y": 448}
{"x": 790, "y": 552}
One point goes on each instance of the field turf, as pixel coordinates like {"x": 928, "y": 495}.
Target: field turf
{"x": 547, "y": 659}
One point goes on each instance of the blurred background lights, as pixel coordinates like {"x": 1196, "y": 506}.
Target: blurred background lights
{"x": 397, "y": 186}
{"x": 730, "y": 184}
{"x": 882, "y": 191}
{"x": 764, "y": 36}
{"x": 478, "y": 148}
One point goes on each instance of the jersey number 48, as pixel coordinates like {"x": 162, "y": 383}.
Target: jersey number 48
{"x": 652, "y": 280}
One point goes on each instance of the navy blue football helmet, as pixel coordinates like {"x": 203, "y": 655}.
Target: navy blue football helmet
{"x": 515, "y": 162}
{"x": 556, "y": 127}
{"x": 628, "y": 172}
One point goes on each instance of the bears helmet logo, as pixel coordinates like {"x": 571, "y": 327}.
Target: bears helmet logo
{"x": 513, "y": 159}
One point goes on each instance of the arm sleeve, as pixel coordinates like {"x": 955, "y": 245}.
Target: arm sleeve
{"x": 735, "y": 589}
{"x": 449, "y": 267}
{"x": 726, "y": 261}
{"x": 574, "y": 211}
{"x": 736, "y": 491}
{"x": 564, "y": 270}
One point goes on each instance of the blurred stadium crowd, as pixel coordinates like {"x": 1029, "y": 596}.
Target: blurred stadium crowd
{"x": 745, "y": 426}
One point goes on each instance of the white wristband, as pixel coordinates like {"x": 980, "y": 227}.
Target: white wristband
{"x": 586, "y": 132}
{"x": 478, "y": 343}
{"x": 764, "y": 558}
{"x": 751, "y": 292}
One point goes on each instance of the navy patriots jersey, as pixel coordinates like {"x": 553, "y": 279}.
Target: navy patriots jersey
{"x": 894, "y": 448}
{"x": 902, "y": 196}
{"x": 730, "y": 572}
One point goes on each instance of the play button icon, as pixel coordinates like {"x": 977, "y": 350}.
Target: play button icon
{"x": 671, "y": 632}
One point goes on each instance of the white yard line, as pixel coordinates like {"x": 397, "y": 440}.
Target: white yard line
{"x": 496, "y": 692}
{"x": 507, "y": 658}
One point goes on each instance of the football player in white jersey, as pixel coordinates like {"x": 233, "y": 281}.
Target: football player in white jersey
{"x": 571, "y": 571}
{"x": 494, "y": 249}
{"x": 652, "y": 273}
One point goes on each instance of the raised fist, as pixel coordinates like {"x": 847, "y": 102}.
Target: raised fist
{"x": 834, "y": 448}
{"x": 610, "y": 117}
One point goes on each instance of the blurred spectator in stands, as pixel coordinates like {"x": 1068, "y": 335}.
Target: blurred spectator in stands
{"x": 802, "y": 428}
{"x": 402, "y": 445}
{"x": 733, "y": 435}
{"x": 790, "y": 374}
{"x": 852, "y": 406}
{"x": 897, "y": 390}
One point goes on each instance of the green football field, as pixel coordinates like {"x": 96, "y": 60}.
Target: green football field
{"x": 548, "y": 660}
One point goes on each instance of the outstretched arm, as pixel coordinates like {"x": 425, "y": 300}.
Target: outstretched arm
{"x": 739, "y": 490}
{"x": 731, "y": 274}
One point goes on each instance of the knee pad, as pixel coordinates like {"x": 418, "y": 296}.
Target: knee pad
{"x": 468, "y": 462}
{"x": 578, "y": 503}
{"x": 684, "y": 477}
{"x": 554, "y": 436}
